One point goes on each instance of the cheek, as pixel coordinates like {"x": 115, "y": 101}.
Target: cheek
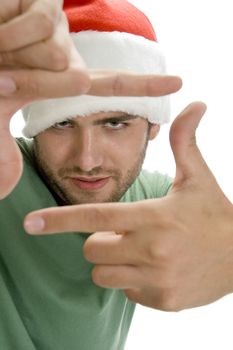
{"x": 59, "y": 157}
{"x": 53, "y": 152}
{"x": 126, "y": 151}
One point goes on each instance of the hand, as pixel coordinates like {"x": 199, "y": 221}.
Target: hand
{"x": 34, "y": 34}
{"x": 170, "y": 253}
{"x": 102, "y": 83}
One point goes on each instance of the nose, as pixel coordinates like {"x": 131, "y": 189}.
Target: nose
{"x": 88, "y": 153}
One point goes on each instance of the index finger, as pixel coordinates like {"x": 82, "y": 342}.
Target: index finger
{"x": 84, "y": 218}
{"x": 105, "y": 83}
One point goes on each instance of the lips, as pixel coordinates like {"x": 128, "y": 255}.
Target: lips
{"x": 90, "y": 183}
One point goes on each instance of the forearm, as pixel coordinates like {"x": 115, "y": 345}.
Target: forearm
{"x": 227, "y": 229}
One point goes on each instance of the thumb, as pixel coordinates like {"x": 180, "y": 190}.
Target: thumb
{"x": 10, "y": 162}
{"x": 188, "y": 158}
{"x": 11, "y": 165}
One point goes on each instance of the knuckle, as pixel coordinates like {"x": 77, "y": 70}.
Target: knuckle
{"x": 98, "y": 216}
{"x": 58, "y": 58}
{"x": 168, "y": 301}
{"x": 148, "y": 86}
{"x": 117, "y": 86}
{"x": 4, "y": 40}
{"x": 30, "y": 86}
{"x": 157, "y": 253}
{"x": 5, "y": 43}
{"x": 151, "y": 253}
{"x": 79, "y": 81}
{"x": 89, "y": 249}
{"x": 46, "y": 23}
{"x": 97, "y": 275}
{"x": 7, "y": 58}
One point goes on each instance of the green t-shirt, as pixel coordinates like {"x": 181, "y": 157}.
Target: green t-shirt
{"x": 47, "y": 298}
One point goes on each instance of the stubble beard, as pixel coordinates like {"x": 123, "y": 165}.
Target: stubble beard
{"x": 62, "y": 193}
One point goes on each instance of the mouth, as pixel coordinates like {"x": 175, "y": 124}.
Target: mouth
{"x": 91, "y": 183}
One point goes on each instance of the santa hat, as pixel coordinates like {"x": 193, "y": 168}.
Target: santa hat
{"x": 112, "y": 35}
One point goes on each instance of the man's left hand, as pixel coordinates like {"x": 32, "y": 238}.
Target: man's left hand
{"x": 171, "y": 253}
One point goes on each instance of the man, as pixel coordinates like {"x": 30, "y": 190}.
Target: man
{"x": 171, "y": 251}
{"x": 60, "y": 306}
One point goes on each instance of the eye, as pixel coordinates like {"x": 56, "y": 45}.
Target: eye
{"x": 63, "y": 125}
{"x": 116, "y": 125}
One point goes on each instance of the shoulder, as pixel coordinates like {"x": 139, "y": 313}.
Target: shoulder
{"x": 31, "y": 192}
{"x": 26, "y": 148}
{"x": 148, "y": 185}
{"x": 158, "y": 184}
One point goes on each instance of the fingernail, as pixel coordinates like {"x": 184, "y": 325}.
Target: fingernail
{"x": 34, "y": 225}
{"x": 7, "y": 86}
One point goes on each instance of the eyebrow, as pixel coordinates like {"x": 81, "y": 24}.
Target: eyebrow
{"x": 122, "y": 118}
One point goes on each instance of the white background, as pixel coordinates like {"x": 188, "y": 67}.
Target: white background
{"x": 196, "y": 36}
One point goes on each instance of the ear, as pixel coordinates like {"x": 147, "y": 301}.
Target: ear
{"x": 154, "y": 130}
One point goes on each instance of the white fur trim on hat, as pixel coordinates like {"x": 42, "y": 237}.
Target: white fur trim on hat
{"x": 111, "y": 51}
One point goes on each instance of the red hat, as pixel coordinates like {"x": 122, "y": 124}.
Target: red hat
{"x": 108, "y": 16}
{"x": 112, "y": 35}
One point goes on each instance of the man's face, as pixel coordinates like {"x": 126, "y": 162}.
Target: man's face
{"x": 93, "y": 159}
